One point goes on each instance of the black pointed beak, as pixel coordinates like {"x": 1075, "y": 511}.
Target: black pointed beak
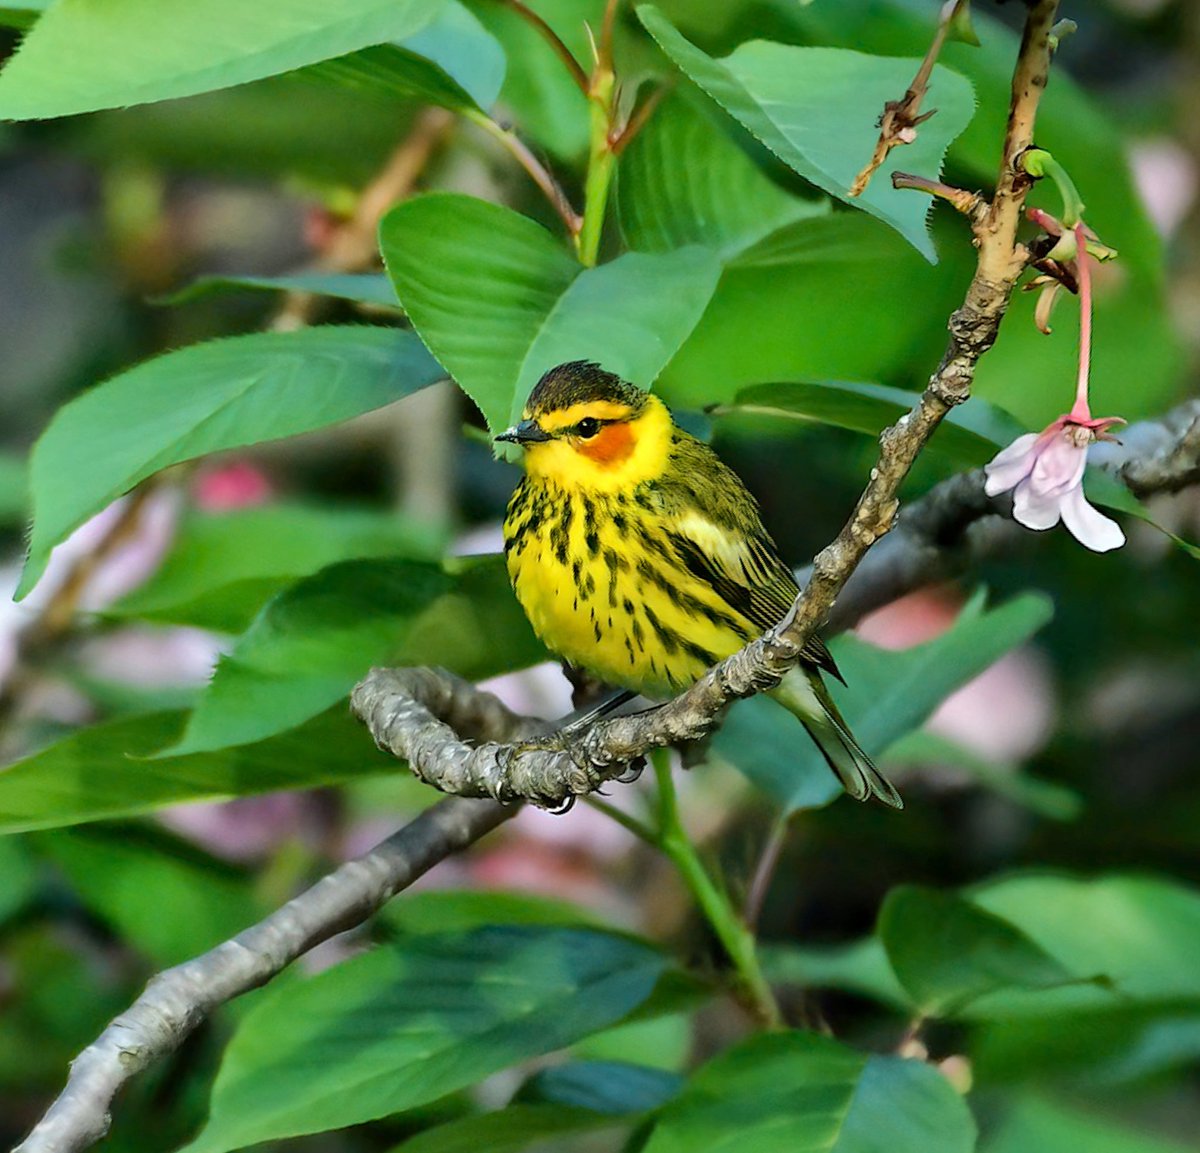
{"x": 527, "y": 432}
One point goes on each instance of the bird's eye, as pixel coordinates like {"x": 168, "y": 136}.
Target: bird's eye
{"x": 588, "y": 427}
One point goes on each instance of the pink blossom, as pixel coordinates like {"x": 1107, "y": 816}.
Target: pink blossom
{"x": 1005, "y": 714}
{"x": 1045, "y": 472}
{"x": 236, "y": 484}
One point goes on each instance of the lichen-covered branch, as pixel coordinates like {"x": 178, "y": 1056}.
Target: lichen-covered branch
{"x": 1156, "y": 456}
{"x": 176, "y": 1001}
{"x": 556, "y": 768}
{"x": 423, "y": 711}
{"x": 411, "y": 712}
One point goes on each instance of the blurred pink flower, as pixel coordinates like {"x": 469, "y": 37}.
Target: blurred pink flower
{"x": 238, "y": 484}
{"x": 1045, "y": 470}
{"x": 1167, "y": 181}
{"x": 247, "y": 828}
{"x": 1006, "y": 713}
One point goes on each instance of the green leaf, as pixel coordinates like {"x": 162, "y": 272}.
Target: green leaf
{"x": 308, "y": 647}
{"x": 727, "y": 203}
{"x": 970, "y": 435}
{"x": 452, "y": 62}
{"x": 508, "y": 1130}
{"x": 630, "y": 315}
{"x": 799, "y": 1091}
{"x": 860, "y": 967}
{"x": 82, "y": 55}
{"x": 612, "y": 1087}
{"x": 203, "y": 399}
{"x": 1142, "y": 932}
{"x": 1040, "y": 1126}
{"x": 783, "y": 311}
{"x": 456, "y": 910}
{"x": 360, "y": 287}
{"x": 223, "y": 567}
{"x": 498, "y": 301}
{"x": 127, "y": 876}
{"x": 1101, "y": 1046}
{"x": 102, "y": 772}
{"x": 477, "y": 281}
{"x": 22, "y": 14}
{"x": 559, "y": 1102}
{"x": 948, "y": 952}
{"x": 817, "y": 109}
{"x": 890, "y": 694}
{"x": 14, "y": 501}
{"x": 399, "y": 1027}
{"x": 314, "y": 641}
{"x": 1045, "y": 798}
{"x": 658, "y": 1037}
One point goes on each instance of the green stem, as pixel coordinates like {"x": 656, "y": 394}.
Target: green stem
{"x": 601, "y": 164}
{"x": 1038, "y": 163}
{"x": 638, "y": 828}
{"x": 734, "y": 935}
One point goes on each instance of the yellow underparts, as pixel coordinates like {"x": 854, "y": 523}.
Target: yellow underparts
{"x": 590, "y": 556}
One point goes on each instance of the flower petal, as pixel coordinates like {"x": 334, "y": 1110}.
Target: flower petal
{"x": 1091, "y": 528}
{"x": 1035, "y": 509}
{"x": 1010, "y": 465}
{"x": 1059, "y": 465}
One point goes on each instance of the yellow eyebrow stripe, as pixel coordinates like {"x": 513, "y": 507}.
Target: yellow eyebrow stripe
{"x": 562, "y": 418}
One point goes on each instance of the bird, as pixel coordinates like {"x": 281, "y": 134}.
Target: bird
{"x": 641, "y": 558}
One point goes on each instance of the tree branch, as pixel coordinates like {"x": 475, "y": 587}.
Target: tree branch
{"x": 354, "y": 244}
{"x": 937, "y": 538}
{"x": 420, "y": 714}
{"x": 176, "y": 1001}
{"x": 552, "y": 770}
{"x": 898, "y": 123}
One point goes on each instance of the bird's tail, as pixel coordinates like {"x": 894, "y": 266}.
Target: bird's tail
{"x": 803, "y": 693}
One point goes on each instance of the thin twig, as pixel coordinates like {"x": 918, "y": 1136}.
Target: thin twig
{"x": 552, "y": 38}
{"x": 604, "y": 51}
{"x": 764, "y": 871}
{"x": 900, "y": 117}
{"x": 53, "y": 623}
{"x": 931, "y": 543}
{"x": 622, "y": 139}
{"x": 552, "y": 771}
{"x": 354, "y": 244}
{"x": 968, "y": 203}
{"x": 538, "y": 172}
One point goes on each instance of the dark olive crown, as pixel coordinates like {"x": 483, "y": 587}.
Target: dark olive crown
{"x": 578, "y": 382}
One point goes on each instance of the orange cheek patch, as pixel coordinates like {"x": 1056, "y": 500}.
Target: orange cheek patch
{"x": 610, "y": 446}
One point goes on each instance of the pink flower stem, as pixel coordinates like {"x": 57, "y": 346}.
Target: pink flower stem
{"x": 1081, "y": 410}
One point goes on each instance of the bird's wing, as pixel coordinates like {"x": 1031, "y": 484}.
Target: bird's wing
{"x": 741, "y": 564}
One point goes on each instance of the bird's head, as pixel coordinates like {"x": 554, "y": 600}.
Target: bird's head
{"x": 587, "y": 428}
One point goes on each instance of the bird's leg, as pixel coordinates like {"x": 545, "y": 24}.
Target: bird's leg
{"x": 577, "y": 725}
{"x": 613, "y": 701}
